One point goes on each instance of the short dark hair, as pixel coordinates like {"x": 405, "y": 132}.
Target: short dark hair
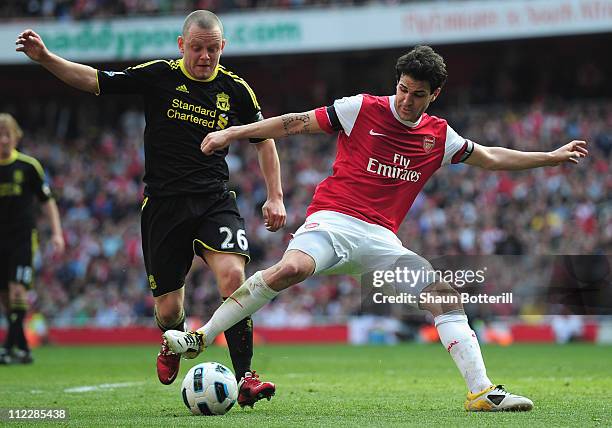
{"x": 204, "y": 19}
{"x": 423, "y": 63}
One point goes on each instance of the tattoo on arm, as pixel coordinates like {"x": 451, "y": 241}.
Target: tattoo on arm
{"x": 296, "y": 123}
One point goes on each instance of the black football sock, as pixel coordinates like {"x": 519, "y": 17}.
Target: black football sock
{"x": 239, "y": 339}
{"x": 16, "y": 326}
{"x": 180, "y": 324}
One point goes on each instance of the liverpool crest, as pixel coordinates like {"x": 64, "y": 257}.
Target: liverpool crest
{"x": 18, "y": 176}
{"x": 223, "y": 101}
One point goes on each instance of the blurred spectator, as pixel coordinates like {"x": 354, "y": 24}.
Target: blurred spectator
{"x": 567, "y": 327}
{"x": 88, "y": 9}
{"x": 463, "y": 211}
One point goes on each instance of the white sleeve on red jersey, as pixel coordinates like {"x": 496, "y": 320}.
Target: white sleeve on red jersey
{"x": 347, "y": 110}
{"x": 456, "y": 149}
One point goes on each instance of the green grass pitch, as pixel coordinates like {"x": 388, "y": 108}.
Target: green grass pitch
{"x": 407, "y": 385}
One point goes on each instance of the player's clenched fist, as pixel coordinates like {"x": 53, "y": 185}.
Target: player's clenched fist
{"x": 213, "y": 141}
{"x": 32, "y": 45}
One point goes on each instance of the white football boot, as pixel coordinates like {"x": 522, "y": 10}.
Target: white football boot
{"x": 187, "y": 343}
{"x": 497, "y": 399}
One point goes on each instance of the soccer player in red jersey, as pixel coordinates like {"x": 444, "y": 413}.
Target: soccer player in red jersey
{"x": 388, "y": 148}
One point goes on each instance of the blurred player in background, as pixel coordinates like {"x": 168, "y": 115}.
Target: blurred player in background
{"x": 22, "y": 180}
{"x": 187, "y": 207}
{"x": 388, "y": 148}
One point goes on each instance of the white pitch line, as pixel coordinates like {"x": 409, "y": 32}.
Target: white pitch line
{"x": 103, "y": 386}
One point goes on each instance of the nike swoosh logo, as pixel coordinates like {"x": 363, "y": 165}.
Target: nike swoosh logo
{"x": 376, "y": 134}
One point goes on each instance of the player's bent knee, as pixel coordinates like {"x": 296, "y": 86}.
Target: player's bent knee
{"x": 167, "y": 315}
{"x": 295, "y": 269}
{"x": 169, "y": 308}
{"x": 230, "y": 278}
{"x": 17, "y": 292}
{"x": 440, "y": 298}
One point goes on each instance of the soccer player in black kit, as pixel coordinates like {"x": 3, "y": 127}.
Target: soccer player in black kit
{"x": 187, "y": 207}
{"x": 22, "y": 182}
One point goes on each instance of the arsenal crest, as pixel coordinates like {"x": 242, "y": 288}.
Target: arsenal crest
{"x": 223, "y": 101}
{"x": 429, "y": 141}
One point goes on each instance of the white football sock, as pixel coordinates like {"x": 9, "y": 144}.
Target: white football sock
{"x": 246, "y": 300}
{"x": 461, "y": 343}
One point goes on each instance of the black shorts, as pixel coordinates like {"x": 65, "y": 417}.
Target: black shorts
{"x": 16, "y": 258}
{"x": 175, "y": 228}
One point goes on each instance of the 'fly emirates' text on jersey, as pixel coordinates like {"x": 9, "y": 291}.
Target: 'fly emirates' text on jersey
{"x": 382, "y": 162}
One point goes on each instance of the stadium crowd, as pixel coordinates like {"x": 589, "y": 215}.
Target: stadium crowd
{"x": 90, "y": 9}
{"x": 95, "y": 172}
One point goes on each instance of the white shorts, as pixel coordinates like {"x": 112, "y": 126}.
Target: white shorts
{"x": 342, "y": 244}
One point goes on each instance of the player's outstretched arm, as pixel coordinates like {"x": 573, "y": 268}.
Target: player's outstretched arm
{"x": 273, "y": 127}
{"x": 52, "y": 213}
{"x": 500, "y": 158}
{"x": 80, "y": 76}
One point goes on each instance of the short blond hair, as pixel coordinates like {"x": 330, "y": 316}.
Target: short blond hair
{"x": 9, "y": 121}
{"x": 204, "y": 19}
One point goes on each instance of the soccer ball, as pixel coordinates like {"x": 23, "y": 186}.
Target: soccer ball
{"x": 209, "y": 389}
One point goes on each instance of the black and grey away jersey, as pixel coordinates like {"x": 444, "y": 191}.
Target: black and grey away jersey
{"x": 22, "y": 183}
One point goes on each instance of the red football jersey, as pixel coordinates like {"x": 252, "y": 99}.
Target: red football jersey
{"x": 382, "y": 161}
